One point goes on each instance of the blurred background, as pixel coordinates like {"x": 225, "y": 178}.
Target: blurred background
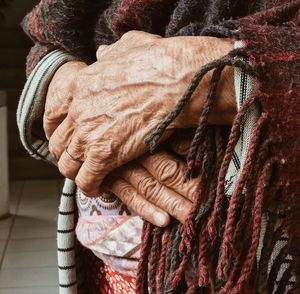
{"x": 29, "y": 189}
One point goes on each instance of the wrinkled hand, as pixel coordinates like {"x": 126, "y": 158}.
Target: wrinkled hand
{"x": 154, "y": 186}
{"x": 119, "y": 100}
{"x": 59, "y": 95}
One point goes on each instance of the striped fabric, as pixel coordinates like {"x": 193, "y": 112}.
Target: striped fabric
{"x": 244, "y": 85}
{"x": 32, "y": 103}
{"x": 66, "y": 240}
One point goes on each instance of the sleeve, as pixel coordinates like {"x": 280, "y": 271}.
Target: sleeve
{"x": 32, "y": 103}
{"x": 61, "y": 31}
{"x": 66, "y": 25}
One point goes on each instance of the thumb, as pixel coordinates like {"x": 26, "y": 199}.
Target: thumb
{"x": 102, "y": 50}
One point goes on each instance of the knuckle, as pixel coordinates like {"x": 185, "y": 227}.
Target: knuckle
{"x": 85, "y": 187}
{"x": 53, "y": 150}
{"x": 65, "y": 171}
{"x": 168, "y": 171}
{"x": 191, "y": 191}
{"x": 181, "y": 147}
{"x": 174, "y": 205}
{"x": 129, "y": 34}
{"x": 149, "y": 188}
{"x": 140, "y": 207}
{"x": 124, "y": 190}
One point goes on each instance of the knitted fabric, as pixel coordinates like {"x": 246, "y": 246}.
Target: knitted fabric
{"x": 80, "y": 26}
{"x": 222, "y": 241}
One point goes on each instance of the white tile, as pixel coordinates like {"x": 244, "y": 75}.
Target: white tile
{"x": 6, "y": 222}
{"x": 29, "y": 259}
{"x": 15, "y": 189}
{"x": 2, "y": 246}
{"x": 38, "y": 204}
{"x": 39, "y": 212}
{"x": 44, "y": 188}
{"x": 32, "y": 245}
{"x": 26, "y": 221}
{"x": 34, "y": 197}
{"x": 4, "y": 232}
{"x": 35, "y": 290}
{"x": 33, "y": 232}
{"x": 28, "y": 277}
{"x": 39, "y": 201}
{"x": 15, "y": 193}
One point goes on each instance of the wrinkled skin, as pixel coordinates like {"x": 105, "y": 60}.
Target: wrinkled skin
{"x": 154, "y": 187}
{"x": 115, "y": 103}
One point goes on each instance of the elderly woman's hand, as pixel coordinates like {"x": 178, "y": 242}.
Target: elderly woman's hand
{"x": 154, "y": 185}
{"x": 59, "y": 95}
{"x": 119, "y": 100}
{"x": 154, "y": 188}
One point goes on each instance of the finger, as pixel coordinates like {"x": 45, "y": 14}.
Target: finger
{"x": 169, "y": 171}
{"x": 93, "y": 170}
{"x": 61, "y": 138}
{"x": 180, "y": 142}
{"x": 156, "y": 193}
{"x": 71, "y": 159}
{"x": 180, "y": 146}
{"x": 50, "y": 125}
{"x": 144, "y": 208}
{"x": 139, "y": 37}
{"x": 101, "y": 51}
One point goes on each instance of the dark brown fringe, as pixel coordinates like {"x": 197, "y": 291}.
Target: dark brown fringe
{"x": 214, "y": 223}
{"x": 142, "y": 274}
{"x": 154, "y": 258}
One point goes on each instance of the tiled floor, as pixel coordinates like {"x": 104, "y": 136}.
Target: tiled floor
{"x": 27, "y": 239}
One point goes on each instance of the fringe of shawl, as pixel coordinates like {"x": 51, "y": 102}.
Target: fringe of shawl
{"x": 221, "y": 236}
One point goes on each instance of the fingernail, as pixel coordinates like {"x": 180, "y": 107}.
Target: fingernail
{"x": 160, "y": 219}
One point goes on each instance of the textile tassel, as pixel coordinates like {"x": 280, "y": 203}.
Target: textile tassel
{"x": 263, "y": 185}
{"x": 166, "y": 284}
{"x": 153, "y": 259}
{"x": 202, "y": 268}
{"x": 244, "y": 227}
{"x": 192, "y": 289}
{"x": 250, "y": 190}
{"x": 162, "y": 261}
{"x": 141, "y": 279}
{"x": 153, "y": 139}
{"x": 236, "y": 199}
{"x": 189, "y": 228}
{"x": 186, "y": 235}
{"x": 174, "y": 258}
{"x": 198, "y": 137}
{"x": 233, "y": 139}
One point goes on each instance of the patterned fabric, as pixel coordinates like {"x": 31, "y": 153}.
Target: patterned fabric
{"x": 111, "y": 230}
{"x": 102, "y": 279}
{"x": 112, "y": 282}
{"x": 244, "y": 84}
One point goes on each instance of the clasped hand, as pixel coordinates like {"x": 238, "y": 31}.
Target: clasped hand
{"x": 97, "y": 116}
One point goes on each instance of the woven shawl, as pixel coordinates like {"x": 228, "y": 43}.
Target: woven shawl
{"x": 227, "y": 243}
